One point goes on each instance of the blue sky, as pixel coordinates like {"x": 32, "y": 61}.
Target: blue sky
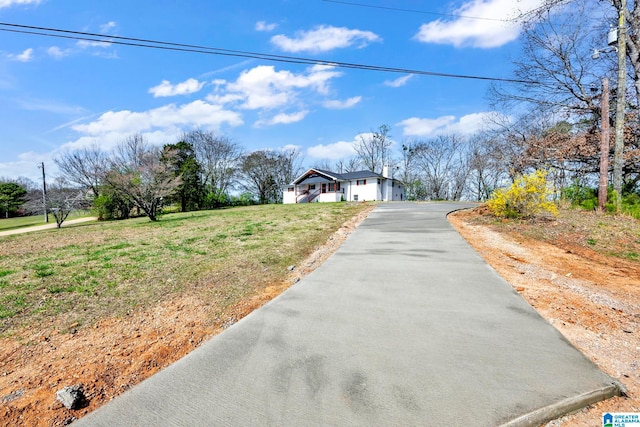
{"x": 59, "y": 94}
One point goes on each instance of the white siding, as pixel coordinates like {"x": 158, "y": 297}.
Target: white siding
{"x": 288, "y": 196}
{"x": 364, "y": 192}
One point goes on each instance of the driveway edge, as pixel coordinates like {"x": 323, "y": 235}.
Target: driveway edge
{"x": 567, "y": 406}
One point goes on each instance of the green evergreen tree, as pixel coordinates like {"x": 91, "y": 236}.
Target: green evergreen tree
{"x": 190, "y": 193}
{"x": 12, "y": 196}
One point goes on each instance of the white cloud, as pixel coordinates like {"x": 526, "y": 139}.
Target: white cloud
{"x": 291, "y": 147}
{"x": 85, "y": 44}
{"x": 337, "y": 150}
{"x": 323, "y": 39}
{"x": 25, "y": 56}
{"x": 167, "y": 89}
{"x": 263, "y": 87}
{"x": 27, "y": 165}
{"x": 415, "y": 126}
{"x": 342, "y": 105}
{"x": 7, "y": 3}
{"x": 57, "y": 53}
{"x": 158, "y": 126}
{"x": 493, "y": 31}
{"x": 95, "y": 48}
{"x": 400, "y": 81}
{"x": 197, "y": 113}
{"x": 105, "y": 28}
{"x": 283, "y": 119}
{"x": 465, "y": 125}
{"x": 264, "y": 26}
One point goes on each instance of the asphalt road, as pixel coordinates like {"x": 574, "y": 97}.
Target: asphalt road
{"x": 404, "y": 325}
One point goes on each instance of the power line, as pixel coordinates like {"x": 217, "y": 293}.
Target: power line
{"x": 521, "y": 16}
{"x": 181, "y": 47}
{"x": 397, "y": 9}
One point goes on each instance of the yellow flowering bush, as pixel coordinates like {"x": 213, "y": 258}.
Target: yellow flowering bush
{"x": 528, "y": 197}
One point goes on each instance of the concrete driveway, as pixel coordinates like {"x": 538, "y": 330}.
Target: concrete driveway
{"x": 45, "y": 226}
{"x": 404, "y": 325}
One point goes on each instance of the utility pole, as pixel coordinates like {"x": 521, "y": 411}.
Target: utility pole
{"x": 44, "y": 193}
{"x": 604, "y": 146}
{"x": 618, "y": 149}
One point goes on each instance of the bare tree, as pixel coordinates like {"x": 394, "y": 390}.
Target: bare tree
{"x": 509, "y": 140}
{"x": 62, "y": 199}
{"x": 84, "y": 167}
{"x": 485, "y": 172}
{"x": 352, "y": 164}
{"x": 265, "y": 172}
{"x": 290, "y": 165}
{"x": 409, "y": 168}
{"x": 24, "y": 182}
{"x": 219, "y": 157}
{"x": 260, "y": 170}
{"x": 137, "y": 174}
{"x": 374, "y": 149}
{"x": 556, "y": 58}
{"x": 325, "y": 165}
{"x": 443, "y": 166}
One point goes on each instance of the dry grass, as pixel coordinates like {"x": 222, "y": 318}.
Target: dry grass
{"x": 76, "y": 276}
{"x": 610, "y": 235}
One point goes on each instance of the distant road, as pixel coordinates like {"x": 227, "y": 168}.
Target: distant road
{"x": 46, "y": 226}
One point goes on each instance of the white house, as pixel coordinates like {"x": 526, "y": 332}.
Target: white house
{"x": 317, "y": 185}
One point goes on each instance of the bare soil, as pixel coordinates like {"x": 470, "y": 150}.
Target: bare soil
{"x": 591, "y": 298}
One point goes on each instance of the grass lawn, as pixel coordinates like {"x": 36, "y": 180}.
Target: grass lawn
{"x": 29, "y": 221}
{"x": 82, "y": 274}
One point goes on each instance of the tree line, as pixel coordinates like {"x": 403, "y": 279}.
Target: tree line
{"x": 207, "y": 171}
{"x": 201, "y": 171}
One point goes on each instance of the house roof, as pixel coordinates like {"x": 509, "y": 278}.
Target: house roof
{"x": 361, "y": 174}
{"x": 327, "y": 176}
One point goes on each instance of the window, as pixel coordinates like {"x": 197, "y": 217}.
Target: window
{"x": 361, "y": 182}
{"x": 290, "y": 189}
{"x": 337, "y": 186}
{"x": 324, "y": 188}
{"x": 312, "y": 186}
{"x": 332, "y": 187}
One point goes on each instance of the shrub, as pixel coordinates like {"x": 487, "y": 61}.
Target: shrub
{"x": 581, "y": 196}
{"x": 631, "y": 205}
{"x": 528, "y": 197}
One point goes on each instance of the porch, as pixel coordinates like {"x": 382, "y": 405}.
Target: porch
{"x": 319, "y": 192}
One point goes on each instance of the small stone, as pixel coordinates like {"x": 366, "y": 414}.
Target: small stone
{"x": 291, "y": 267}
{"x": 72, "y": 397}
{"x": 12, "y": 396}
